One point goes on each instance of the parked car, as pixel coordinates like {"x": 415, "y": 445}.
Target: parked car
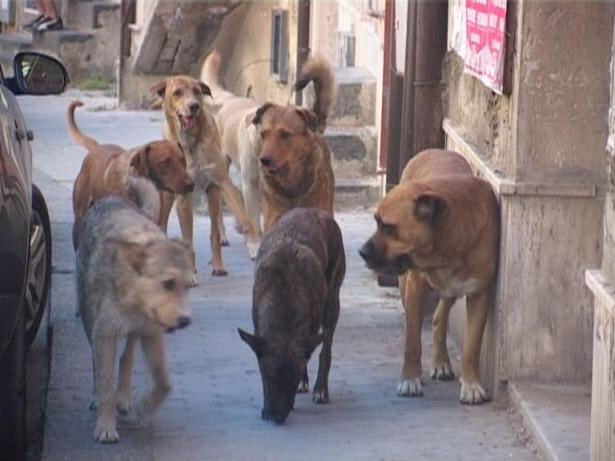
{"x": 25, "y": 242}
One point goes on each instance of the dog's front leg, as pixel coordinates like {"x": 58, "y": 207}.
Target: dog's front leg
{"x": 166, "y": 203}
{"x": 124, "y": 388}
{"x": 214, "y": 203}
{"x": 414, "y": 291}
{"x": 235, "y": 202}
{"x": 105, "y": 348}
{"x": 155, "y": 357}
{"x": 477, "y": 310}
{"x": 251, "y": 195}
{"x": 441, "y": 363}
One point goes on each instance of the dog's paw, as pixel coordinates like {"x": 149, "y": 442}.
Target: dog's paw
{"x": 304, "y": 387}
{"x": 472, "y": 393}
{"x": 442, "y": 372}
{"x": 194, "y": 282}
{"x": 124, "y": 405}
{"x": 93, "y": 406}
{"x": 320, "y": 397}
{"x": 252, "y": 248}
{"x": 410, "y": 388}
{"x": 224, "y": 241}
{"x": 106, "y": 432}
{"x": 219, "y": 272}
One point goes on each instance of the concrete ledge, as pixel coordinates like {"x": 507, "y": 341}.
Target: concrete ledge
{"x": 508, "y": 186}
{"x": 603, "y": 369}
{"x": 557, "y": 415}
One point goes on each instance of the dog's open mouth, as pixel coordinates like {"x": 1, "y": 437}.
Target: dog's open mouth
{"x": 188, "y": 122}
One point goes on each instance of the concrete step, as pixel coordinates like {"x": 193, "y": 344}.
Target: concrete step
{"x": 355, "y": 100}
{"x": 557, "y": 415}
{"x": 357, "y": 193}
{"x": 10, "y": 45}
{"x": 353, "y": 150}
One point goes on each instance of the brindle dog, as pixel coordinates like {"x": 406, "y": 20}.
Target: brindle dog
{"x": 299, "y": 270}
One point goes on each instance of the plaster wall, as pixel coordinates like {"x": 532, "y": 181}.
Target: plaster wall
{"x": 245, "y": 44}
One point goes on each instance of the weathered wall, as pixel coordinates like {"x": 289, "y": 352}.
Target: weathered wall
{"x": 245, "y": 44}
{"x": 563, "y": 88}
{"x": 542, "y": 149}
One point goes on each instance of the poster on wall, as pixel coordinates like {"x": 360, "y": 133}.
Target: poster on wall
{"x": 483, "y": 54}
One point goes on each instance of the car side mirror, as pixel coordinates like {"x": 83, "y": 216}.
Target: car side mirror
{"x": 38, "y": 73}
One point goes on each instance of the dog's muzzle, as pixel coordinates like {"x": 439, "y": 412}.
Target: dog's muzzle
{"x": 398, "y": 266}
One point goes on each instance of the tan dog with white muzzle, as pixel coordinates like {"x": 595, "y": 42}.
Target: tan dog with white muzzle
{"x": 438, "y": 229}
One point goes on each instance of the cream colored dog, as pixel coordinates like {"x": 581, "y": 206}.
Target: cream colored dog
{"x": 131, "y": 283}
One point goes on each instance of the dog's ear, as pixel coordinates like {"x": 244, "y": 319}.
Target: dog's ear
{"x": 260, "y": 111}
{"x": 159, "y": 88}
{"x": 249, "y": 118}
{"x": 135, "y": 254}
{"x": 309, "y": 117}
{"x": 312, "y": 343}
{"x": 429, "y": 208}
{"x": 205, "y": 89}
{"x": 255, "y": 342}
{"x": 139, "y": 160}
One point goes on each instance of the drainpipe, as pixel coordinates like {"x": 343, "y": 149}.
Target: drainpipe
{"x": 425, "y": 51}
{"x": 303, "y": 41}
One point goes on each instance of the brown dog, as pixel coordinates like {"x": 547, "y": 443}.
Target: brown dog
{"x": 194, "y": 128}
{"x": 294, "y": 158}
{"x": 439, "y": 229}
{"x": 108, "y": 169}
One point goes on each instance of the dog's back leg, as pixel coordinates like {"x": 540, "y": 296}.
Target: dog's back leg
{"x": 214, "y": 203}
{"x": 124, "y": 387}
{"x": 441, "y": 363}
{"x": 477, "y": 310}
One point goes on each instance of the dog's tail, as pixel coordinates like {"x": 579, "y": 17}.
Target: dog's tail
{"x": 75, "y": 133}
{"x": 318, "y": 70}
{"x": 210, "y": 74}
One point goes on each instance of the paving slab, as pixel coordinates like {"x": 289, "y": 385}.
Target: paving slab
{"x": 558, "y": 415}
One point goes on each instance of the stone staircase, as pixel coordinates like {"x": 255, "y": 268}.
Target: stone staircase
{"x": 89, "y": 44}
{"x": 353, "y": 138}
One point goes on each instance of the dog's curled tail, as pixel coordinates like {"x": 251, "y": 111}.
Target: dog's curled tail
{"x": 318, "y": 70}
{"x": 75, "y": 133}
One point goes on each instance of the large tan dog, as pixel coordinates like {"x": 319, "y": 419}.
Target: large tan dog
{"x": 239, "y": 138}
{"x": 438, "y": 229}
{"x": 294, "y": 158}
{"x": 108, "y": 169}
{"x": 194, "y": 128}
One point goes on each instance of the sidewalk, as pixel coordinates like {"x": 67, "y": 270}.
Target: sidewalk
{"x": 214, "y": 409}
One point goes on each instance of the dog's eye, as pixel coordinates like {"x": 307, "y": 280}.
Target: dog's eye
{"x": 388, "y": 229}
{"x": 177, "y": 93}
{"x": 284, "y": 135}
{"x": 169, "y": 284}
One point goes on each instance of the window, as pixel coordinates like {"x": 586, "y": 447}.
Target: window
{"x": 279, "y": 45}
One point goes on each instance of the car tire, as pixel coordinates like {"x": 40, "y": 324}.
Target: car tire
{"x": 13, "y": 394}
{"x": 38, "y": 281}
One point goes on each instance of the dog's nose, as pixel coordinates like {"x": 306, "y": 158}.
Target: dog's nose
{"x": 194, "y": 107}
{"x": 266, "y": 161}
{"x": 183, "y": 321}
{"x": 189, "y": 186}
{"x": 366, "y": 250}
